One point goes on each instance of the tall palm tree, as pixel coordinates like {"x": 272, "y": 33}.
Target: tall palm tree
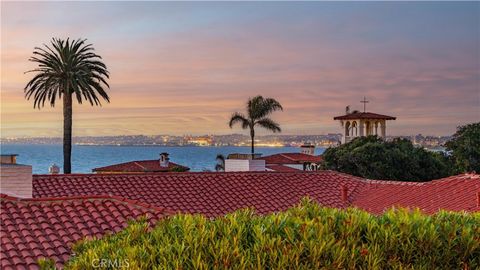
{"x": 67, "y": 68}
{"x": 258, "y": 110}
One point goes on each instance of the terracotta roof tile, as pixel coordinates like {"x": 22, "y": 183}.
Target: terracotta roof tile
{"x": 216, "y": 194}
{"x": 140, "y": 166}
{"x": 455, "y": 193}
{"x": 281, "y": 168}
{"x": 291, "y": 158}
{"x": 363, "y": 115}
{"x": 211, "y": 194}
{"x": 24, "y": 244}
{"x": 44, "y": 226}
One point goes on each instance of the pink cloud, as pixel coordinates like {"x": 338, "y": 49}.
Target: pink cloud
{"x": 190, "y": 81}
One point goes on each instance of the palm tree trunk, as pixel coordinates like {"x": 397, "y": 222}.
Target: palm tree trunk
{"x": 67, "y": 133}
{"x": 252, "y": 137}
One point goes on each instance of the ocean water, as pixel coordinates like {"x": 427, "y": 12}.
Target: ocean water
{"x": 85, "y": 158}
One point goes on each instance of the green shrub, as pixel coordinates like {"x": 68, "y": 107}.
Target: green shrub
{"x": 46, "y": 264}
{"x": 305, "y": 237}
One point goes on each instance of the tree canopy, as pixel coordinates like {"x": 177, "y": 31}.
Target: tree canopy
{"x": 465, "y": 148}
{"x": 373, "y": 158}
{"x": 67, "y": 67}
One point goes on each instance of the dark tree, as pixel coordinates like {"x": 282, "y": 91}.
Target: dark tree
{"x": 465, "y": 148}
{"x": 374, "y": 158}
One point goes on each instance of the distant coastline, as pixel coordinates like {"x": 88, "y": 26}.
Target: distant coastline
{"x": 159, "y": 145}
{"x": 237, "y": 140}
{"x": 188, "y": 140}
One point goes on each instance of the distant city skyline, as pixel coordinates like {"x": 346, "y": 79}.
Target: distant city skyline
{"x": 183, "y": 67}
{"x": 206, "y": 134}
{"x": 322, "y": 140}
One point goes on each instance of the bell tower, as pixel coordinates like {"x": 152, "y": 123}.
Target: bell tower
{"x": 358, "y": 124}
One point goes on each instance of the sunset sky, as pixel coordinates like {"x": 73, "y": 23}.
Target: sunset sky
{"x": 184, "y": 67}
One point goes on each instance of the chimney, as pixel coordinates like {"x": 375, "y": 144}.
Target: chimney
{"x": 164, "y": 159}
{"x": 307, "y": 149}
{"x": 344, "y": 193}
{"x": 9, "y": 159}
{"x": 15, "y": 179}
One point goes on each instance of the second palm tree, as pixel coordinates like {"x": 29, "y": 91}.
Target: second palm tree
{"x": 258, "y": 110}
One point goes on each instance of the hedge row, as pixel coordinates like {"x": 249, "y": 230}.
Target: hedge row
{"x": 305, "y": 237}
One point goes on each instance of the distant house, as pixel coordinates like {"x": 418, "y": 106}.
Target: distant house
{"x": 306, "y": 160}
{"x": 286, "y": 162}
{"x": 162, "y": 164}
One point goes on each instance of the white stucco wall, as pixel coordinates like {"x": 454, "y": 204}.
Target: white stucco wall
{"x": 244, "y": 165}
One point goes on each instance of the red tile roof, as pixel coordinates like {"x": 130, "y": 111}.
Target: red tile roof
{"x": 291, "y": 158}
{"x": 455, "y": 193}
{"x": 212, "y": 194}
{"x": 35, "y": 228}
{"x": 38, "y": 228}
{"x": 216, "y": 194}
{"x": 140, "y": 166}
{"x": 281, "y": 168}
{"x": 364, "y": 115}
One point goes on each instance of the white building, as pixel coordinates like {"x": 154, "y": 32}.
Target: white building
{"x": 306, "y": 160}
{"x": 358, "y": 124}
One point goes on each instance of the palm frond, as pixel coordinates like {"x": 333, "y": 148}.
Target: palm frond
{"x": 268, "y": 106}
{"x": 269, "y": 124}
{"x": 239, "y": 118}
{"x": 259, "y": 107}
{"x": 67, "y": 67}
{"x": 254, "y": 105}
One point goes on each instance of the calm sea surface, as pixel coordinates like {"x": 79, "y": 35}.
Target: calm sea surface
{"x": 85, "y": 158}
